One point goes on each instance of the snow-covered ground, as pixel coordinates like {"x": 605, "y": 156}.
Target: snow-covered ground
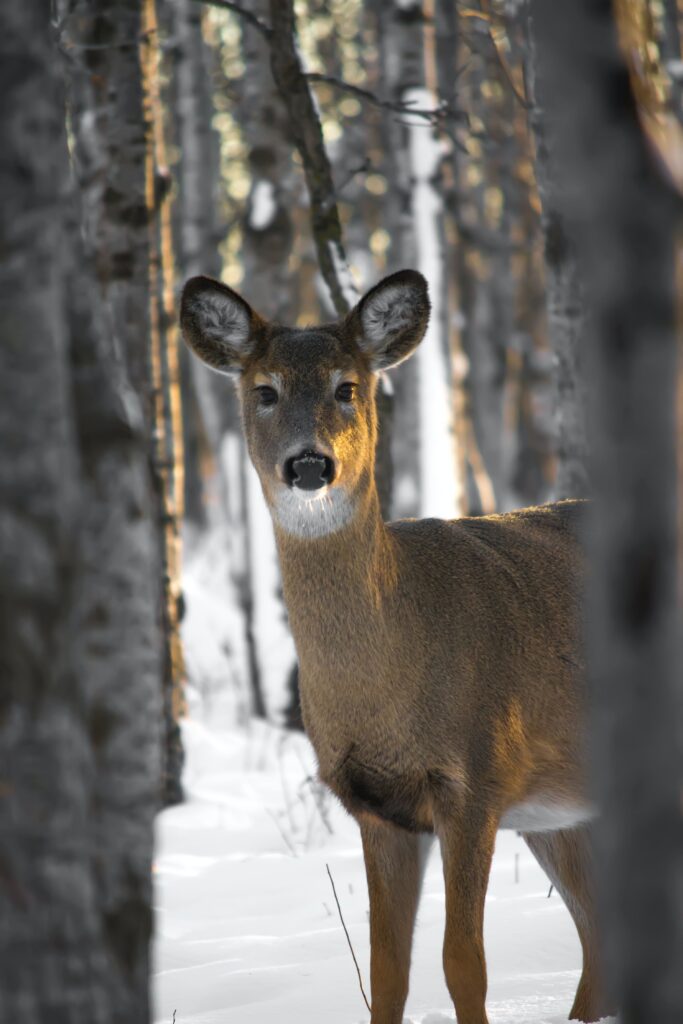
{"x": 247, "y": 926}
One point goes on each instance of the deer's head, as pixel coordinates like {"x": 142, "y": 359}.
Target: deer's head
{"x": 308, "y": 394}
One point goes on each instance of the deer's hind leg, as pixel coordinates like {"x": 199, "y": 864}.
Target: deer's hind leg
{"x": 566, "y": 857}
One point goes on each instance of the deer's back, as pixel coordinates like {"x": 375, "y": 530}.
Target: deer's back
{"x": 497, "y": 599}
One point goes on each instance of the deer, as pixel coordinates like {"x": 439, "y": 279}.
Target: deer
{"x": 440, "y": 661}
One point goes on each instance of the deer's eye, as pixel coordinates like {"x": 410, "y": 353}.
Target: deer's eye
{"x": 266, "y": 394}
{"x": 346, "y": 391}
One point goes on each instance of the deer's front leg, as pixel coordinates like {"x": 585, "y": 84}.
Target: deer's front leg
{"x": 467, "y": 849}
{"x": 394, "y": 862}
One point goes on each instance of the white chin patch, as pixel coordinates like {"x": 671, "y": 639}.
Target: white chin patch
{"x": 312, "y": 514}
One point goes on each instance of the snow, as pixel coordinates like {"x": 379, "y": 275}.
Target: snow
{"x": 263, "y": 206}
{"x": 213, "y": 628}
{"x": 247, "y": 929}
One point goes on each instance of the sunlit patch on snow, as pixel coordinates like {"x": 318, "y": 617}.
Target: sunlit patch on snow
{"x": 183, "y": 865}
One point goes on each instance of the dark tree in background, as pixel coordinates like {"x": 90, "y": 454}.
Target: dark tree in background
{"x": 80, "y": 710}
{"x": 626, "y": 217}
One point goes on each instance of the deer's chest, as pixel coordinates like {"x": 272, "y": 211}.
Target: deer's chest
{"x": 394, "y": 792}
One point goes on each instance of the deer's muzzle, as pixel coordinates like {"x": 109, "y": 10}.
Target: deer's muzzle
{"x": 309, "y": 471}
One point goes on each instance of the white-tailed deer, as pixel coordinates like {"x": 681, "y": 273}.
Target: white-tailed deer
{"x": 439, "y": 661}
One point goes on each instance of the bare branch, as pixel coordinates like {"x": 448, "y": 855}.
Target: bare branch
{"x": 436, "y": 116}
{"x": 307, "y": 135}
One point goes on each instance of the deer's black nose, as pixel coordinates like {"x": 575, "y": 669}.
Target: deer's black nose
{"x": 310, "y": 470}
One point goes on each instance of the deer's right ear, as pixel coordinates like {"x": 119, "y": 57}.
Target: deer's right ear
{"x": 217, "y": 324}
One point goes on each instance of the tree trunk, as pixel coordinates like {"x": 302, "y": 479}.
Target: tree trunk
{"x": 198, "y": 231}
{"x": 116, "y": 127}
{"x": 565, "y": 304}
{"x": 167, "y": 431}
{"x": 79, "y": 722}
{"x": 621, "y": 208}
{"x": 400, "y": 50}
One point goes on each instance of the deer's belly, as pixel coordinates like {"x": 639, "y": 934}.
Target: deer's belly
{"x": 540, "y": 814}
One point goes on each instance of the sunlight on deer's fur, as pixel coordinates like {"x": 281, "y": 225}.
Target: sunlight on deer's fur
{"x": 440, "y": 661}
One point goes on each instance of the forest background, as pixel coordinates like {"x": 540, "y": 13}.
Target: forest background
{"x": 299, "y": 152}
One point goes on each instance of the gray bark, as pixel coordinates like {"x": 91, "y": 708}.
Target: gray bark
{"x": 79, "y": 643}
{"x": 565, "y": 304}
{"x": 268, "y": 231}
{"x": 626, "y": 217}
{"x": 198, "y": 230}
{"x": 306, "y": 134}
{"x": 113, "y": 141}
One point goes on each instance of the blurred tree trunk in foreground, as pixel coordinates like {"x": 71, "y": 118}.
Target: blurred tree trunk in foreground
{"x": 564, "y": 297}
{"x": 79, "y": 569}
{"x": 626, "y": 216}
{"x": 125, "y": 187}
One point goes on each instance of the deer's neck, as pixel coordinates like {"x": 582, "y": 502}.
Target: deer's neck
{"x": 335, "y": 585}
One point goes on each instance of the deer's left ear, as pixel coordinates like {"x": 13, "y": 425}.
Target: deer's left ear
{"x": 390, "y": 320}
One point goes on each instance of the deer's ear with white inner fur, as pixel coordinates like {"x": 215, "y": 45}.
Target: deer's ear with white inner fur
{"x": 392, "y": 318}
{"x": 218, "y": 324}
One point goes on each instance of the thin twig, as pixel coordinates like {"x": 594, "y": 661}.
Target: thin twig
{"x": 434, "y": 115}
{"x": 288, "y": 842}
{"x": 348, "y": 939}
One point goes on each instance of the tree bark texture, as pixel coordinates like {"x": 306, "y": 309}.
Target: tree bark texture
{"x": 625, "y": 216}
{"x": 267, "y": 228}
{"x": 165, "y": 363}
{"x": 120, "y": 165}
{"x": 306, "y": 131}
{"x": 564, "y": 302}
{"x": 80, "y": 642}
{"x": 198, "y": 235}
